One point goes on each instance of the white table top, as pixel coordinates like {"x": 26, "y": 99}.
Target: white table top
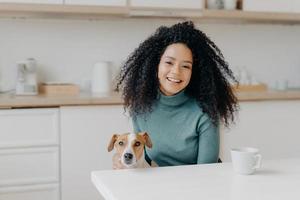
{"x": 276, "y": 180}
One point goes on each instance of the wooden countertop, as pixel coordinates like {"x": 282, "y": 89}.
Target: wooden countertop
{"x": 13, "y": 101}
{"x": 8, "y": 100}
{"x": 269, "y": 95}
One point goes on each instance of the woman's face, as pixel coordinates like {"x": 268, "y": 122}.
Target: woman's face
{"x": 175, "y": 69}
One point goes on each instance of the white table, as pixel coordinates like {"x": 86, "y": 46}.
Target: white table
{"x": 276, "y": 180}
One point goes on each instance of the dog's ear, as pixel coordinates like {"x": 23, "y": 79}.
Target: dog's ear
{"x": 147, "y": 139}
{"x": 112, "y": 142}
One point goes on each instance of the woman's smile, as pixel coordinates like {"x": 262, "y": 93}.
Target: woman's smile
{"x": 174, "y": 80}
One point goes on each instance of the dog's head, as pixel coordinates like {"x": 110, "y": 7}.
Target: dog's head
{"x": 130, "y": 147}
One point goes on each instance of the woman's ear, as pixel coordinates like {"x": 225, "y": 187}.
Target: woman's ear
{"x": 112, "y": 142}
{"x": 147, "y": 139}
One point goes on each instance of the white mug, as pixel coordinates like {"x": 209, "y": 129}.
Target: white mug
{"x": 245, "y": 160}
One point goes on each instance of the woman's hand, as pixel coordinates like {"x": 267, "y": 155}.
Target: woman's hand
{"x": 117, "y": 162}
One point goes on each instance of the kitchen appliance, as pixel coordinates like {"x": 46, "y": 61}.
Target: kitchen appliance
{"x": 26, "y": 83}
{"x": 101, "y": 79}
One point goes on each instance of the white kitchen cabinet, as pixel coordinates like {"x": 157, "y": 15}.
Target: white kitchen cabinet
{"x": 85, "y": 134}
{"x": 97, "y": 2}
{"x": 189, "y": 4}
{"x": 29, "y": 154}
{"x": 285, "y": 6}
{"x": 29, "y": 128}
{"x": 33, "y": 1}
{"x": 29, "y": 166}
{"x": 31, "y": 192}
{"x": 271, "y": 126}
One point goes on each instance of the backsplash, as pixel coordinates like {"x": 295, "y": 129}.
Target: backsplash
{"x": 66, "y": 50}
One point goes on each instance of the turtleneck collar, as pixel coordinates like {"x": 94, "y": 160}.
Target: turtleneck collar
{"x": 174, "y": 100}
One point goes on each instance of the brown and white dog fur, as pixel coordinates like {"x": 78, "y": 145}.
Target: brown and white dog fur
{"x": 130, "y": 149}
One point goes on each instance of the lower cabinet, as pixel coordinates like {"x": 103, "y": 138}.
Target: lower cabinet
{"x": 29, "y": 154}
{"x": 32, "y": 192}
{"x": 49, "y": 153}
{"x": 85, "y": 134}
{"x": 29, "y": 166}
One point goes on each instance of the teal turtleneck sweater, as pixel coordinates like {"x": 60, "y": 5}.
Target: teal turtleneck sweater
{"x": 180, "y": 131}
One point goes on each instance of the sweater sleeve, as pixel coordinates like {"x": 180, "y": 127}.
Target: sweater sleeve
{"x": 209, "y": 141}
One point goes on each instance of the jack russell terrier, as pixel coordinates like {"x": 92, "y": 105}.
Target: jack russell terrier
{"x": 130, "y": 150}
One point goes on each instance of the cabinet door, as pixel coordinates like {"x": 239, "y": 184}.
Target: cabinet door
{"x": 29, "y": 128}
{"x": 193, "y": 4}
{"x": 33, "y": 1}
{"x": 31, "y": 192}
{"x": 271, "y": 126}
{"x": 85, "y": 134}
{"x": 29, "y": 166}
{"x": 97, "y": 2}
{"x": 268, "y": 5}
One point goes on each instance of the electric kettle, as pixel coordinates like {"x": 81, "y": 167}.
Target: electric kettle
{"x": 26, "y": 83}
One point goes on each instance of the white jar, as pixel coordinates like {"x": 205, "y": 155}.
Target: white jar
{"x": 230, "y": 4}
{"x": 215, "y": 4}
{"x": 101, "y": 79}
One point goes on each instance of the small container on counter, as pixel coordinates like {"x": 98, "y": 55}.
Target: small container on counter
{"x": 215, "y": 4}
{"x": 101, "y": 79}
{"x": 230, "y": 4}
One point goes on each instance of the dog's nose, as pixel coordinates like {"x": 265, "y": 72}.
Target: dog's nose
{"x": 128, "y": 156}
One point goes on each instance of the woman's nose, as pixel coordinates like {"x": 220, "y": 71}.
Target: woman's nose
{"x": 175, "y": 69}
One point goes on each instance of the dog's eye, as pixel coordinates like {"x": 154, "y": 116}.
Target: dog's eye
{"x": 121, "y": 143}
{"x": 137, "y": 144}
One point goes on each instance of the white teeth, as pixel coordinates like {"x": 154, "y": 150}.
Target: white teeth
{"x": 174, "y": 80}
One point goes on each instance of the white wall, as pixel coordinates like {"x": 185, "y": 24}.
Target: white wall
{"x": 67, "y": 49}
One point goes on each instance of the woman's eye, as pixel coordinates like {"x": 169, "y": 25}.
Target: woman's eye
{"x": 121, "y": 143}
{"x": 137, "y": 144}
{"x": 186, "y": 66}
{"x": 169, "y": 63}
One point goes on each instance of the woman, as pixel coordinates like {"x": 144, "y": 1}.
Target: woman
{"x": 176, "y": 87}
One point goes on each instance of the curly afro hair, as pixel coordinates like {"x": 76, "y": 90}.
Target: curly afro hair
{"x": 209, "y": 83}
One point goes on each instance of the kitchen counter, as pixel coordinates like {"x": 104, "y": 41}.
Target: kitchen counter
{"x": 9, "y": 100}
{"x": 13, "y": 101}
{"x": 269, "y": 95}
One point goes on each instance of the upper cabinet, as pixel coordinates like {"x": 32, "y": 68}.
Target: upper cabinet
{"x": 33, "y": 1}
{"x": 187, "y": 4}
{"x": 97, "y": 2}
{"x": 63, "y": 8}
{"x": 283, "y": 6}
{"x": 256, "y": 11}
{"x": 166, "y": 8}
